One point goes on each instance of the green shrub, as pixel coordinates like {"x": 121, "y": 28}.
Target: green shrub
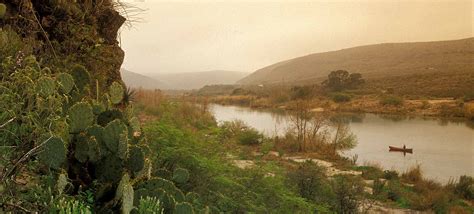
{"x": 348, "y": 191}
{"x": 391, "y": 100}
{"x": 149, "y": 205}
{"x": 390, "y": 174}
{"x": 465, "y": 187}
{"x": 311, "y": 183}
{"x": 250, "y": 137}
{"x": 341, "y": 97}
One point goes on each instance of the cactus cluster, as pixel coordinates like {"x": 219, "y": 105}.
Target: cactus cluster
{"x": 102, "y": 143}
{"x": 171, "y": 197}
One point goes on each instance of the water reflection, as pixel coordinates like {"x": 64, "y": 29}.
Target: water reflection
{"x": 443, "y": 147}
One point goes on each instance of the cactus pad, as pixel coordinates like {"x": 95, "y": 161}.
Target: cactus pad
{"x": 122, "y": 150}
{"x": 121, "y": 186}
{"x": 106, "y": 117}
{"x": 116, "y": 93}
{"x": 97, "y": 107}
{"x": 66, "y": 82}
{"x": 180, "y": 175}
{"x": 127, "y": 199}
{"x": 46, "y": 86}
{"x": 112, "y": 134}
{"x": 81, "y": 148}
{"x": 110, "y": 169}
{"x": 97, "y": 133}
{"x": 80, "y": 116}
{"x": 53, "y": 153}
{"x": 3, "y": 10}
{"x": 136, "y": 159}
{"x": 183, "y": 208}
{"x": 81, "y": 77}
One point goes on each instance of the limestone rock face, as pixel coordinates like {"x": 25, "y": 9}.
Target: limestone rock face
{"x": 61, "y": 33}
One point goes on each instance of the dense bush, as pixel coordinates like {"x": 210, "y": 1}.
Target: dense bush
{"x": 391, "y": 100}
{"x": 349, "y": 193}
{"x": 250, "y": 136}
{"x": 465, "y": 187}
{"x": 341, "y": 97}
{"x": 311, "y": 182}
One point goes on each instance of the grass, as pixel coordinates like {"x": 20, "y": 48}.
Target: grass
{"x": 207, "y": 150}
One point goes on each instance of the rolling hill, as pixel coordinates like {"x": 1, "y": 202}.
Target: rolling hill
{"x": 135, "y": 80}
{"x": 380, "y": 60}
{"x": 197, "y": 80}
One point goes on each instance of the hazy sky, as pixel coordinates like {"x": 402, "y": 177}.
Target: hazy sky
{"x": 186, "y": 36}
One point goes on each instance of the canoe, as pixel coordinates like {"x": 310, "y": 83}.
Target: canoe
{"x": 398, "y": 149}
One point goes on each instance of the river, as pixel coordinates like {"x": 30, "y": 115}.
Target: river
{"x": 444, "y": 149}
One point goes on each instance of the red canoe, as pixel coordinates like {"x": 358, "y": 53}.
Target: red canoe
{"x": 397, "y": 149}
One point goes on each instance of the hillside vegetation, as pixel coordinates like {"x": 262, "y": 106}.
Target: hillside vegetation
{"x": 197, "y": 80}
{"x": 135, "y": 80}
{"x": 380, "y": 60}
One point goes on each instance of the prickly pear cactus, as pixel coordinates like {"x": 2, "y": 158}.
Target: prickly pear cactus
{"x": 108, "y": 116}
{"x": 97, "y": 132}
{"x": 180, "y": 175}
{"x": 116, "y": 93}
{"x": 81, "y": 148}
{"x": 94, "y": 153}
{"x": 53, "y": 153}
{"x": 121, "y": 186}
{"x": 61, "y": 183}
{"x": 122, "y": 150}
{"x": 46, "y": 86}
{"x": 112, "y": 134}
{"x": 97, "y": 107}
{"x": 80, "y": 116}
{"x": 127, "y": 199}
{"x": 183, "y": 208}
{"x": 109, "y": 169}
{"x": 66, "y": 82}
{"x": 81, "y": 77}
{"x": 136, "y": 159}
{"x": 3, "y": 10}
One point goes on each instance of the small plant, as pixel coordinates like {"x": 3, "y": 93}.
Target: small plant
{"x": 250, "y": 137}
{"x": 341, "y": 97}
{"x": 64, "y": 206}
{"x": 390, "y": 174}
{"x": 465, "y": 187}
{"x": 149, "y": 205}
{"x": 413, "y": 175}
{"x": 391, "y": 100}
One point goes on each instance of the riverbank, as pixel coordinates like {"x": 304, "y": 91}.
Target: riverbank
{"x": 443, "y": 108}
{"x": 221, "y": 161}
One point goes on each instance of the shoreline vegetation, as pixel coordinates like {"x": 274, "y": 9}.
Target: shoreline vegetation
{"x": 304, "y": 165}
{"x": 451, "y": 95}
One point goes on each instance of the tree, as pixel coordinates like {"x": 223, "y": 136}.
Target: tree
{"x": 343, "y": 139}
{"x": 341, "y": 79}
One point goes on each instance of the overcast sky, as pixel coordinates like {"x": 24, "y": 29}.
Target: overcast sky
{"x": 187, "y": 36}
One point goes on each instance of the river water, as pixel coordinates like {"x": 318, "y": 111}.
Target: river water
{"x": 444, "y": 149}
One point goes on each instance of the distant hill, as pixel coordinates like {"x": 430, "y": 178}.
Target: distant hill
{"x": 380, "y": 60}
{"x": 135, "y": 80}
{"x": 197, "y": 80}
